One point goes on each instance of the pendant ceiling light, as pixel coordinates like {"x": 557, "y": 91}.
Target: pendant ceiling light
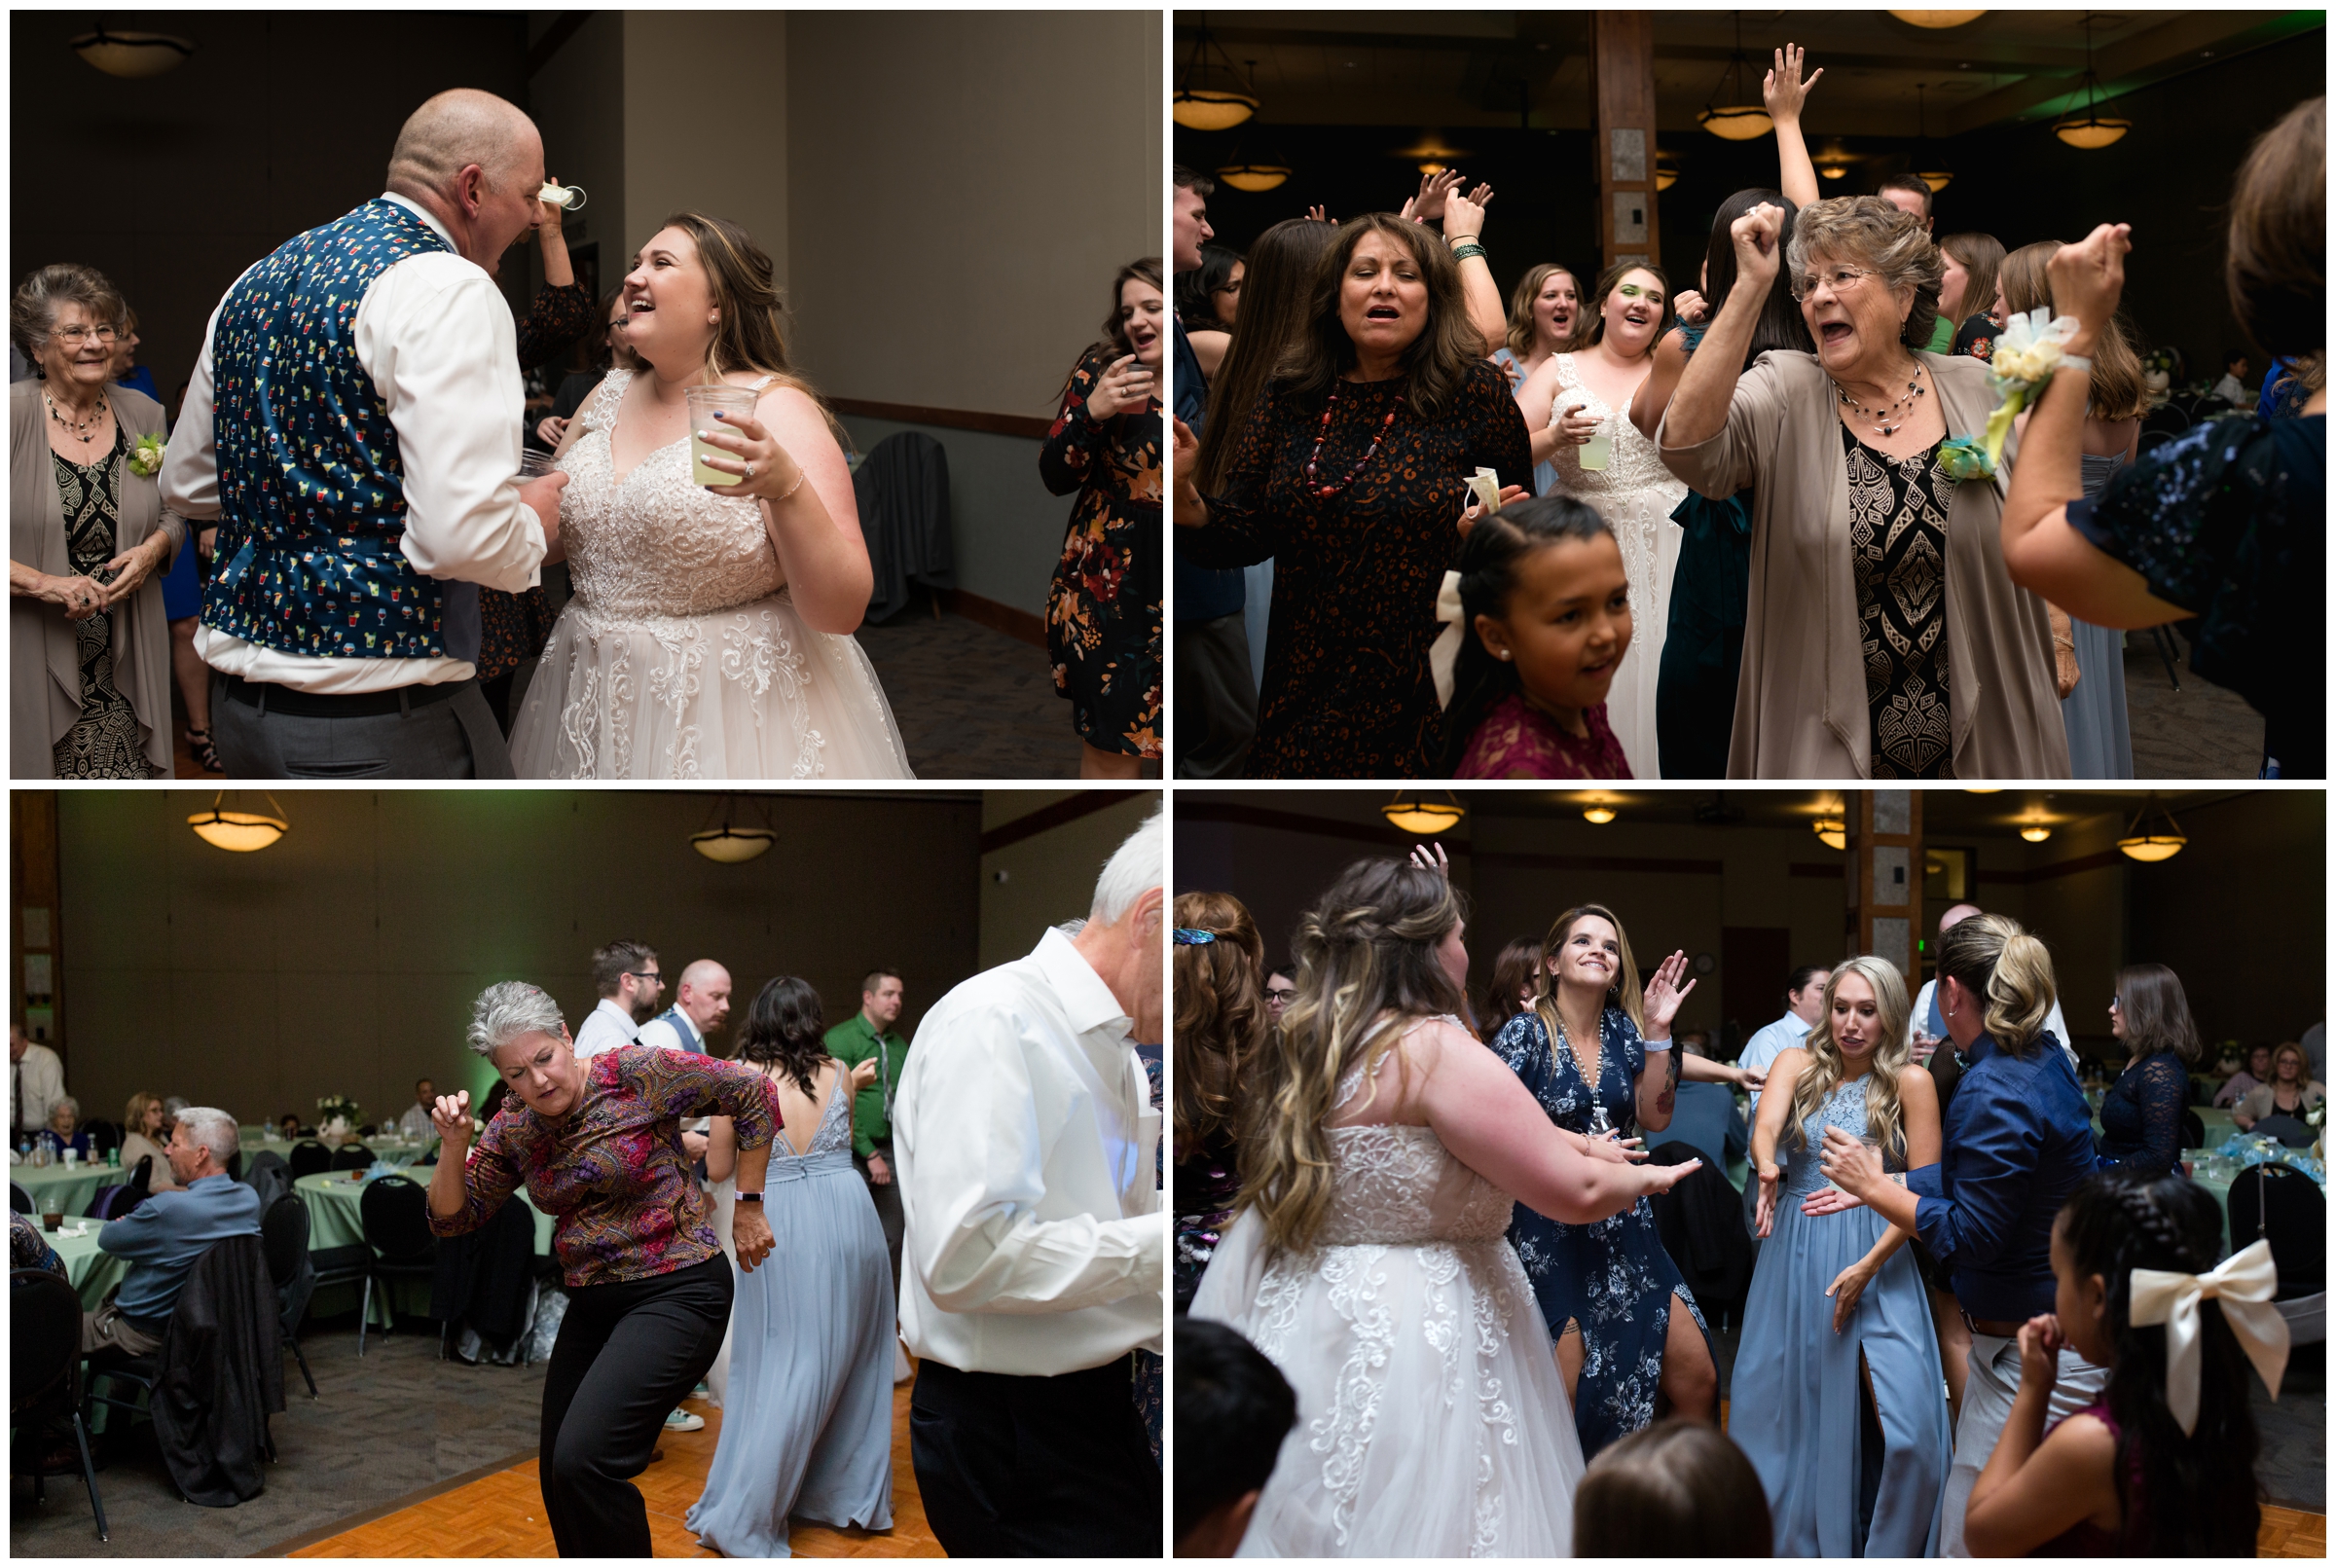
{"x": 2035, "y": 832}
{"x": 1740, "y": 118}
{"x": 131, "y": 55}
{"x": 1600, "y": 814}
{"x": 1832, "y": 832}
{"x": 1666, "y": 170}
{"x": 1423, "y": 816}
{"x": 2091, "y": 129}
{"x": 1248, "y": 176}
{"x": 2153, "y": 834}
{"x": 238, "y": 831}
{"x": 1937, "y": 19}
{"x": 1431, "y": 154}
{"x": 1199, "y": 106}
{"x": 1936, "y": 178}
{"x": 1833, "y": 160}
{"x": 731, "y": 845}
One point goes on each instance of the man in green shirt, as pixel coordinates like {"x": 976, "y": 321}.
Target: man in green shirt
{"x": 869, "y": 1034}
{"x": 1911, "y": 193}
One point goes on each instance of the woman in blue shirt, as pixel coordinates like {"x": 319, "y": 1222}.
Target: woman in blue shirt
{"x": 2141, "y": 1115}
{"x": 2018, "y": 1138}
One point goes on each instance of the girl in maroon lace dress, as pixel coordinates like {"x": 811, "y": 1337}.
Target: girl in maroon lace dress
{"x": 1544, "y": 621}
{"x": 2163, "y": 1464}
{"x": 1103, "y": 612}
{"x": 1350, "y": 474}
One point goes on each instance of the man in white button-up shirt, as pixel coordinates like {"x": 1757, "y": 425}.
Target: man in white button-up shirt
{"x": 628, "y": 981}
{"x": 1036, "y": 1251}
{"x": 435, "y": 339}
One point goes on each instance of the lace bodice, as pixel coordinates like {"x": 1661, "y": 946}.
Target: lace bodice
{"x": 654, "y": 543}
{"x": 1395, "y": 1185}
{"x": 1633, "y": 464}
{"x": 834, "y": 1134}
{"x": 1845, "y": 1109}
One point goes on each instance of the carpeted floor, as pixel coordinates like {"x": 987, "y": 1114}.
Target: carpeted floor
{"x": 396, "y": 1423}
{"x": 2204, "y": 731}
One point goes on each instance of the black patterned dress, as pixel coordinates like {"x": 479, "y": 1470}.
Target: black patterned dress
{"x": 1347, "y": 691}
{"x": 1898, "y": 549}
{"x": 1103, "y": 612}
{"x": 104, "y": 742}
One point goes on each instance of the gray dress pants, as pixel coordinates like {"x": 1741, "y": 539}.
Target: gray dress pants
{"x": 888, "y": 1208}
{"x": 1986, "y": 1404}
{"x": 453, "y": 739}
{"x": 1216, "y": 701}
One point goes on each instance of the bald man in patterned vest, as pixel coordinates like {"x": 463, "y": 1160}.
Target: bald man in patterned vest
{"x": 353, "y": 428}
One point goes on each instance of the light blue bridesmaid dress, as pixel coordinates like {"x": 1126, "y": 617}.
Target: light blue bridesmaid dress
{"x": 1795, "y": 1407}
{"x": 806, "y": 1421}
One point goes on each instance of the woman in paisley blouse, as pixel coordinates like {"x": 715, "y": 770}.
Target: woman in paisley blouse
{"x": 2228, "y": 522}
{"x": 1351, "y": 473}
{"x": 1883, "y": 636}
{"x": 89, "y": 538}
{"x": 1606, "y": 1289}
{"x": 599, "y": 1147}
{"x": 1103, "y": 612}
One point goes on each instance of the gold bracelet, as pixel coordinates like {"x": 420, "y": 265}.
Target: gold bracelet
{"x": 801, "y": 474}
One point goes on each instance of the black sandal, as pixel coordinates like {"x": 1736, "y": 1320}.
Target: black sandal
{"x": 206, "y": 755}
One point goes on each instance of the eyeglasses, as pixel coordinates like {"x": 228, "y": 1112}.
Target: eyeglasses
{"x": 647, "y": 974}
{"x": 75, "y": 337}
{"x": 2113, "y": 1005}
{"x": 1841, "y": 279}
{"x": 1283, "y": 994}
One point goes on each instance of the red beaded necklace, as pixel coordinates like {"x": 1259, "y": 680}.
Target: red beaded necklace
{"x": 1326, "y": 492}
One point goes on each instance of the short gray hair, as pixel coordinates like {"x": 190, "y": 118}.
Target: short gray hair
{"x": 32, "y": 314}
{"x": 1868, "y": 231}
{"x": 1135, "y": 868}
{"x": 214, "y": 1130}
{"x": 65, "y": 1102}
{"x": 508, "y": 1009}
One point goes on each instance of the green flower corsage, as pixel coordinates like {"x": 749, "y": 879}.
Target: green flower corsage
{"x": 146, "y": 456}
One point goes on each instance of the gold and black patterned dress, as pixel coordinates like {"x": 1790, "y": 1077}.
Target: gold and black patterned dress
{"x": 104, "y": 742}
{"x": 1898, "y": 546}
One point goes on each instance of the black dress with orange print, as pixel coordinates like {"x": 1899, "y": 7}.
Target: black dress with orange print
{"x": 1103, "y": 612}
{"x": 1347, "y": 691}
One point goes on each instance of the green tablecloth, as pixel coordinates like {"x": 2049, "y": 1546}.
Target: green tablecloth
{"x": 94, "y": 1272}
{"x": 335, "y": 1219}
{"x": 77, "y": 1185}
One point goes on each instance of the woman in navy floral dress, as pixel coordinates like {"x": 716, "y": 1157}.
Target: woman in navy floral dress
{"x": 1605, "y": 1289}
{"x": 1103, "y": 612}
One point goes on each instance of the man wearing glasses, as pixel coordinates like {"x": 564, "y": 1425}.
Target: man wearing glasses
{"x": 627, "y": 978}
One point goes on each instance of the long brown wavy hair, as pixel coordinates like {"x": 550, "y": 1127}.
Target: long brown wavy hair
{"x": 1440, "y": 358}
{"x": 1221, "y": 1017}
{"x": 751, "y": 334}
{"x": 1276, "y": 293}
{"x": 1885, "y": 1112}
{"x": 2118, "y": 392}
{"x": 2156, "y": 1013}
{"x": 1590, "y": 319}
{"x": 1625, "y": 993}
{"x": 1367, "y": 973}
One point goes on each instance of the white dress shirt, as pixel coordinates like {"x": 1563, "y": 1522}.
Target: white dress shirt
{"x": 415, "y": 1125}
{"x": 665, "y": 1036}
{"x": 1919, "y": 1018}
{"x": 608, "y": 1027}
{"x": 1769, "y": 1041}
{"x": 35, "y": 1086}
{"x": 437, "y": 338}
{"x": 1024, "y": 1134}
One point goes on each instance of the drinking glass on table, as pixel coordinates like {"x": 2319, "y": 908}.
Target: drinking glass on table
{"x": 53, "y": 1212}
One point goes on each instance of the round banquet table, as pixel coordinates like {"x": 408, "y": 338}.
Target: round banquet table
{"x": 77, "y": 1185}
{"x": 92, "y": 1272}
{"x": 335, "y": 1219}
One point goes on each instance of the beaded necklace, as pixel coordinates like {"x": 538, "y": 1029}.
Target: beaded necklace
{"x": 1881, "y": 421}
{"x": 1326, "y": 492}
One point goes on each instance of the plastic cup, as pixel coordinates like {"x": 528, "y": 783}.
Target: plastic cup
{"x": 734, "y": 402}
{"x": 1598, "y": 450}
{"x": 72, "y": 1159}
{"x": 534, "y": 465}
{"x": 53, "y": 1214}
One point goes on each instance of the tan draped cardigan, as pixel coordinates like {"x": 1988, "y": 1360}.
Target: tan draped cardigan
{"x": 44, "y": 668}
{"x": 1801, "y": 707}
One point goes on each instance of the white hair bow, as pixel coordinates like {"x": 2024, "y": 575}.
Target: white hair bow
{"x": 2245, "y": 1285}
{"x": 1445, "y": 651}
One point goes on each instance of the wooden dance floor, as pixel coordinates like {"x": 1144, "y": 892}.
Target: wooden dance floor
{"x": 502, "y": 1514}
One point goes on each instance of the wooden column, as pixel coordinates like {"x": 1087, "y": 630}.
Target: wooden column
{"x": 1885, "y": 876}
{"x": 1622, "y": 86}
{"x": 36, "y": 963}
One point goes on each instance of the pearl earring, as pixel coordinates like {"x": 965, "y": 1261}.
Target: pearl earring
{"x": 1504, "y": 656}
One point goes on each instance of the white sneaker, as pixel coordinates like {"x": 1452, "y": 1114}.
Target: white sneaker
{"x": 684, "y": 1421}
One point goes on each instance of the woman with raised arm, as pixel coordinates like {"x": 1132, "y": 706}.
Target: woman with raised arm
{"x": 1384, "y": 1151}
{"x": 1837, "y": 1382}
{"x": 1596, "y": 1051}
{"x": 598, "y": 1147}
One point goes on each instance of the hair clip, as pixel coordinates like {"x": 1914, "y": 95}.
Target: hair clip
{"x": 1187, "y": 937}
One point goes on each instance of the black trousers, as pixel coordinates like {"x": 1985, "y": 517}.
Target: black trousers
{"x": 886, "y": 1198}
{"x": 628, "y": 1354}
{"x": 1034, "y": 1467}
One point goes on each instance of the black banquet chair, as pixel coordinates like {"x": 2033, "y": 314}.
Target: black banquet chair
{"x": 44, "y": 1373}
{"x": 20, "y": 1201}
{"x": 395, "y": 1214}
{"x": 284, "y": 1237}
{"x": 353, "y": 1157}
{"x": 309, "y": 1158}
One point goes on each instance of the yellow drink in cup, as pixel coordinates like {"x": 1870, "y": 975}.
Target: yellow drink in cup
{"x": 735, "y": 403}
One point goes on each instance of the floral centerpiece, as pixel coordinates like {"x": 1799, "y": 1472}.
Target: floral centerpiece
{"x": 2026, "y": 352}
{"x": 336, "y": 1119}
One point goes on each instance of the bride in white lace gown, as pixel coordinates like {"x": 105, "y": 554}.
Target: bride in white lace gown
{"x": 1375, "y": 1269}
{"x": 1635, "y": 493}
{"x": 710, "y": 633}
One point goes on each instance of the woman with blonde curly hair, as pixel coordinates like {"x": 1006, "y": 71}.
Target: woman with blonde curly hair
{"x": 1384, "y": 1151}
{"x": 1221, "y": 1027}
{"x": 1883, "y": 636}
{"x": 1838, "y": 1379}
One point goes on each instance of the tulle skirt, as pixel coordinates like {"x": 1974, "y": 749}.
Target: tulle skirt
{"x": 744, "y": 693}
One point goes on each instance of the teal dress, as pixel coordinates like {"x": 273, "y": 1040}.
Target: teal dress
{"x": 1703, "y": 647}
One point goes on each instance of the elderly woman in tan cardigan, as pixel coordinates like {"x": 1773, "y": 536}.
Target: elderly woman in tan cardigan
{"x": 89, "y": 539}
{"x": 1883, "y": 638}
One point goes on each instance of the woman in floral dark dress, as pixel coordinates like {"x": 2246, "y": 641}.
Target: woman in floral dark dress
{"x": 1103, "y": 612}
{"x": 1351, "y": 474}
